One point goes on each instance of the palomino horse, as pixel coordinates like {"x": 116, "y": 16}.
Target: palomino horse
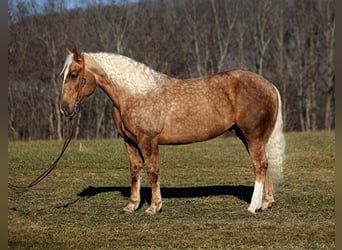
{"x": 151, "y": 109}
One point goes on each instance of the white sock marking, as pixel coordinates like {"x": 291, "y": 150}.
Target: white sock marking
{"x": 256, "y": 197}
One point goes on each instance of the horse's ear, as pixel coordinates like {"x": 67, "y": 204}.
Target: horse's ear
{"x": 77, "y": 55}
{"x": 68, "y": 52}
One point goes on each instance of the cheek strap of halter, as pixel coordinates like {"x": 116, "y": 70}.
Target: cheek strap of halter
{"x": 82, "y": 82}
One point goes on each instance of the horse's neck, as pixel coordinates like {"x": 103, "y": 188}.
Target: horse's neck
{"x": 126, "y": 73}
{"x": 103, "y": 81}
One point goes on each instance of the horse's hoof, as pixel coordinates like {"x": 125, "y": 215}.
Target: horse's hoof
{"x": 131, "y": 207}
{"x": 266, "y": 205}
{"x": 153, "y": 209}
{"x": 251, "y": 210}
{"x": 127, "y": 210}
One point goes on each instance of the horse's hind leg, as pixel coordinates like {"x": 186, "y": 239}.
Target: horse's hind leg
{"x": 136, "y": 163}
{"x": 258, "y": 155}
{"x": 268, "y": 199}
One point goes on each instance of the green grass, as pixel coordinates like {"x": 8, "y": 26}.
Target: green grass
{"x": 206, "y": 188}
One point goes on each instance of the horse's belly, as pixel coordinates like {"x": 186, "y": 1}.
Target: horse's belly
{"x": 191, "y": 130}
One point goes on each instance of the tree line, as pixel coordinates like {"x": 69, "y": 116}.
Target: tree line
{"x": 289, "y": 42}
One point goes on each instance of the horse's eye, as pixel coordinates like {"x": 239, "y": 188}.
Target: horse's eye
{"x": 73, "y": 77}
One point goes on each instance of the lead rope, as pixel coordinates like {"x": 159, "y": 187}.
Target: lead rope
{"x": 71, "y": 130}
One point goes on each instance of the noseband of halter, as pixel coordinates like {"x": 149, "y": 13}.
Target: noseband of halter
{"x": 81, "y": 84}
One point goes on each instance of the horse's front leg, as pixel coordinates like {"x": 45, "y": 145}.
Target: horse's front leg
{"x": 136, "y": 163}
{"x": 149, "y": 149}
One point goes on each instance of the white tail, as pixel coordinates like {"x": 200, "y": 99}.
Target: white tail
{"x": 275, "y": 148}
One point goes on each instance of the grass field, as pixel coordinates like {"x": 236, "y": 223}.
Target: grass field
{"x": 206, "y": 188}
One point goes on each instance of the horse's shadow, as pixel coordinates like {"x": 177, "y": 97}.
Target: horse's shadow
{"x": 241, "y": 192}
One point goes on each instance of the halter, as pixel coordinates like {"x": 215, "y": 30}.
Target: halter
{"x": 81, "y": 83}
{"x": 71, "y": 129}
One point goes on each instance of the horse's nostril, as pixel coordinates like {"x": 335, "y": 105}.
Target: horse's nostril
{"x": 67, "y": 110}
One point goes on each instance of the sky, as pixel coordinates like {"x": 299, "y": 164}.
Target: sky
{"x": 68, "y": 4}
{"x": 39, "y": 6}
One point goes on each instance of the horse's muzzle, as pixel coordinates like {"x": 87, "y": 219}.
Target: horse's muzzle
{"x": 69, "y": 110}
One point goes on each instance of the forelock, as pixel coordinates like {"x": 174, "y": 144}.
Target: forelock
{"x": 66, "y": 66}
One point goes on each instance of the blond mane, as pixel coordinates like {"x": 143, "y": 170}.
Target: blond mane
{"x": 136, "y": 77}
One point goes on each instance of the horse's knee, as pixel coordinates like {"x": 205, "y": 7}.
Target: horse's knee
{"x": 135, "y": 172}
{"x": 153, "y": 175}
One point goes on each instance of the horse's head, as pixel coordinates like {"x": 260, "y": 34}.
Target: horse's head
{"x": 78, "y": 83}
